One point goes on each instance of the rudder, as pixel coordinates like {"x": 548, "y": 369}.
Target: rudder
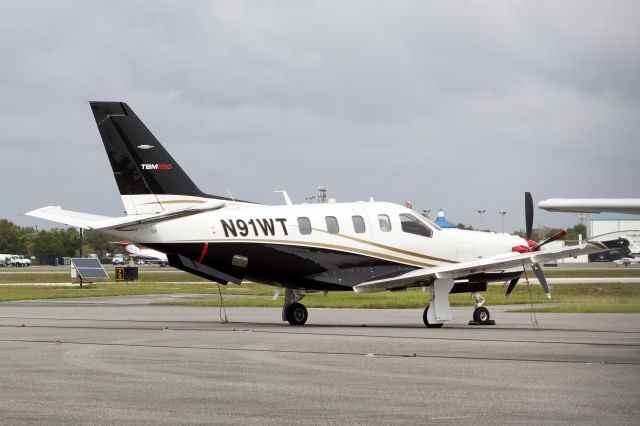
{"x": 148, "y": 178}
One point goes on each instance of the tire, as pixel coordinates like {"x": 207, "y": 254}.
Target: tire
{"x": 426, "y": 321}
{"x": 481, "y": 315}
{"x": 297, "y": 314}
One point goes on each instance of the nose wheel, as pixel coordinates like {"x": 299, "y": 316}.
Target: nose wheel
{"x": 481, "y": 316}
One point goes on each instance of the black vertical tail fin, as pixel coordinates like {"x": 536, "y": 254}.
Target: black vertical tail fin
{"x": 148, "y": 178}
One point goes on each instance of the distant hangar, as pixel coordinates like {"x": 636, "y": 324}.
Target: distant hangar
{"x": 606, "y": 223}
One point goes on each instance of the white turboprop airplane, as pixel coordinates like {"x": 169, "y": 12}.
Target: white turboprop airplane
{"x": 143, "y": 253}
{"x": 362, "y": 246}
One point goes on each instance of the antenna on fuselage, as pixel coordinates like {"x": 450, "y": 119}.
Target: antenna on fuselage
{"x": 285, "y": 194}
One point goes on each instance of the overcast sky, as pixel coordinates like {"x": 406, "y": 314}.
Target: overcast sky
{"x": 459, "y": 105}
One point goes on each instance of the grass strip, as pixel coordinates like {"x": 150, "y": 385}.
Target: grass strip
{"x": 572, "y": 297}
{"x": 34, "y": 292}
{"x": 179, "y": 276}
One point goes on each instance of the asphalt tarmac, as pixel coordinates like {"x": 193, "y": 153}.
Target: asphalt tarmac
{"x": 121, "y": 360}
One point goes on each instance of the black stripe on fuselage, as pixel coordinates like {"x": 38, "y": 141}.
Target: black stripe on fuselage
{"x": 289, "y": 265}
{"x": 298, "y": 266}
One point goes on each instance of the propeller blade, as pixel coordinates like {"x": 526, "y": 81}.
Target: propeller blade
{"x": 554, "y": 237}
{"x": 512, "y": 285}
{"x": 528, "y": 213}
{"x": 543, "y": 281}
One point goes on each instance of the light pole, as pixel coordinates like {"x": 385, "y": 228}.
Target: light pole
{"x": 481, "y": 212}
{"x": 322, "y": 194}
{"x": 502, "y": 213}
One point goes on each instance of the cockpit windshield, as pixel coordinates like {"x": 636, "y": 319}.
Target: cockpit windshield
{"x": 430, "y": 222}
{"x": 413, "y": 225}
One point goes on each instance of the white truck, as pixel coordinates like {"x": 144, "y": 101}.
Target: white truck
{"x": 19, "y": 261}
{"x": 4, "y": 259}
{"x": 118, "y": 259}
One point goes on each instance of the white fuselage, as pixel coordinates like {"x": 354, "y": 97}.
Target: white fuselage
{"x": 279, "y": 225}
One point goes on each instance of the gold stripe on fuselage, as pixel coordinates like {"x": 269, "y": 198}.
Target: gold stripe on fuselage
{"x": 410, "y": 253}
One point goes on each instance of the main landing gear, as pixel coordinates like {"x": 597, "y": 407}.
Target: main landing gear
{"x": 438, "y": 311}
{"x": 426, "y": 319}
{"x": 293, "y": 311}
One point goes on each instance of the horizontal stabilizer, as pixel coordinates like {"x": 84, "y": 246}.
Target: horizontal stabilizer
{"x": 67, "y": 217}
{"x": 92, "y": 221}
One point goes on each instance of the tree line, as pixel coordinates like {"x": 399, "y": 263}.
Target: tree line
{"x": 47, "y": 245}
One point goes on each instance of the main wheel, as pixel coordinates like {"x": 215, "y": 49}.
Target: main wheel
{"x": 297, "y": 314}
{"x": 481, "y": 315}
{"x": 426, "y": 321}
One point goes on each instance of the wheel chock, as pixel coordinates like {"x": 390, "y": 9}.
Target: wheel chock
{"x": 490, "y": 322}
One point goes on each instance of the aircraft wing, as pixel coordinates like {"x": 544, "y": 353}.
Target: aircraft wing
{"x": 92, "y": 221}
{"x": 497, "y": 263}
{"x": 592, "y": 205}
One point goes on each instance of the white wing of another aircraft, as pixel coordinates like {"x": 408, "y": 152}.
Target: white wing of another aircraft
{"x": 592, "y": 205}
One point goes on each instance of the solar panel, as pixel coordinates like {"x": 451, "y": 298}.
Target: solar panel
{"x": 87, "y": 273}
{"x": 86, "y": 262}
{"x": 89, "y": 269}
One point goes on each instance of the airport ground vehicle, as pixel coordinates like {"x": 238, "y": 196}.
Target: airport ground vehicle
{"x": 19, "y": 261}
{"x": 118, "y": 259}
{"x": 4, "y": 259}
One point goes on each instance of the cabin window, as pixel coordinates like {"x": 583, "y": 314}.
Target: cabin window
{"x": 358, "y": 224}
{"x": 304, "y": 225}
{"x": 413, "y": 225}
{"x": 385, "y": 222}
{"x": 332, "y": 224}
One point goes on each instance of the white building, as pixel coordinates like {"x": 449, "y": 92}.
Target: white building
{"x": 607, "y": 223}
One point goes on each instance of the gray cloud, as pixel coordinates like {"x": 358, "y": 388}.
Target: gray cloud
{"x": 447, "y": 104}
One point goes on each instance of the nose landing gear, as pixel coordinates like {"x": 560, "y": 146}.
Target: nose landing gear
{"x": 481, "y": 314}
